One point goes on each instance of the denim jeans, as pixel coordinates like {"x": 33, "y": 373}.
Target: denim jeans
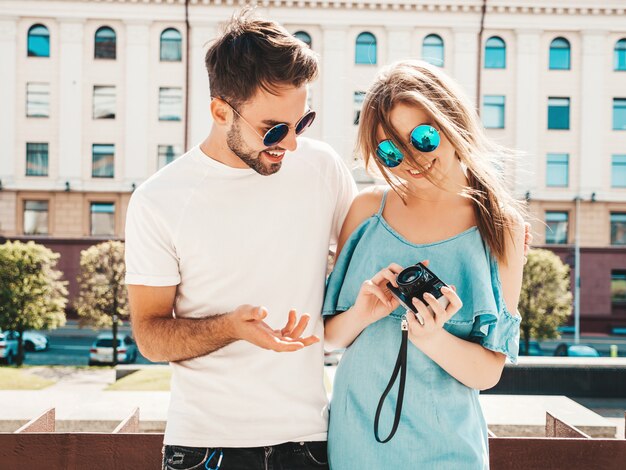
{"x": 287, "y": 456}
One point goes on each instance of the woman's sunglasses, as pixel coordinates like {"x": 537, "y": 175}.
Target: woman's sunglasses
{"x": 277, "y": 133}
{"x": 424, "y": 138}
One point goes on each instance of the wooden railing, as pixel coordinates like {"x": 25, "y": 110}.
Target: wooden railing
{"x": 36, "y": 445}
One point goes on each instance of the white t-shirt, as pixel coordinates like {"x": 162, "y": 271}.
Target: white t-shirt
{"x": 229, "y": 237}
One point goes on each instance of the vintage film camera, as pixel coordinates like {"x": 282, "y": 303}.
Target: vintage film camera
{"x": 415, "y": 281}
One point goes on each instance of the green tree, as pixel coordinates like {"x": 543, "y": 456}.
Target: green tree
{"x": 32, "y": 294}
{"x": 102, "y": 300}
{"x": 545, "y": 300}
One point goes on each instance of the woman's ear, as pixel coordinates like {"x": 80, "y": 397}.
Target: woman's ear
{"x": 220, "y": 112}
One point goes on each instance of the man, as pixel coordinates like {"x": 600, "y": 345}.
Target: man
{"x": 224, "y": 246}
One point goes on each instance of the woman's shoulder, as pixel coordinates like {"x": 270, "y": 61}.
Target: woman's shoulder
{"x": 365, "y": 205}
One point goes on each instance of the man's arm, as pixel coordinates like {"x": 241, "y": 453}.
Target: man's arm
{"x": 162, "y": 337}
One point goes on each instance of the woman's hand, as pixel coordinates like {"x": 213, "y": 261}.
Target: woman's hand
{"x": 435, "y": 317}
{"x": 375, "y": 300}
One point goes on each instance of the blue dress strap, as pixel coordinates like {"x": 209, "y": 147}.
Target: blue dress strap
{"x": 382, "y": 202}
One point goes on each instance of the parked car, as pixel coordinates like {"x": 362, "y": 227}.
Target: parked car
{"x": 534, "y": 349}
{"x": 101, "y": 351}
{"x": 8, "y": 348}
{"x": 33, "y": 340}
{"x": 576, "y": 350}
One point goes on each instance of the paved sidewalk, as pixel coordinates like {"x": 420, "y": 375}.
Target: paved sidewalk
{"x": 82, "y": 404}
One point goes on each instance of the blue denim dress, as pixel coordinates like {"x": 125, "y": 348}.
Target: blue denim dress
{"x": 442, "y": 425}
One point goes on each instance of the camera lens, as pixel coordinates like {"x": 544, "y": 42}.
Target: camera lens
{"x": 410, "y": 275}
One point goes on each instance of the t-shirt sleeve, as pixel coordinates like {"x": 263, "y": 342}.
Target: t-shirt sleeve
{"x": 346, "y": 192}
{"x": 151, "y": 258}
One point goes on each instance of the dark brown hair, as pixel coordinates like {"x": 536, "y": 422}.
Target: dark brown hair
{"x": 254, "y": 53}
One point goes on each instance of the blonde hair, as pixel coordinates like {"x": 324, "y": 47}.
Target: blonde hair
{"x": 418, "y": 83}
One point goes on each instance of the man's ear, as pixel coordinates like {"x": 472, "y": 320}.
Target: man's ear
{"x": 220, "y": 111}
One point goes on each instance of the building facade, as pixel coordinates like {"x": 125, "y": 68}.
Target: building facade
{"x": 97, "y": 96}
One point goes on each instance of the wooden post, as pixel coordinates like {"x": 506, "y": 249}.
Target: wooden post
{"x": 557, "y": 428}
{"x": 42, "y": 423}
{"x": 130, "y": 424}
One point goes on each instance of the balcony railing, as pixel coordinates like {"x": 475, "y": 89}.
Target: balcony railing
{"x": 36, "y": 445}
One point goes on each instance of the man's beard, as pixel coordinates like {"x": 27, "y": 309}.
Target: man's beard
{"x": 236, "y": 145}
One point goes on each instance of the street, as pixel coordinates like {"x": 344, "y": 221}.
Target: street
{"x": 70, "y": 345}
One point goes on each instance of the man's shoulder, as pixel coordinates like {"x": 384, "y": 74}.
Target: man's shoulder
{"x": 171, "y": 181}
{"x": 317, "y": 149}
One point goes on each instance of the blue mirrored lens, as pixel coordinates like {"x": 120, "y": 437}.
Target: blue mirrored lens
{"x": 275, "y": 134}
{"x": 425, "y": 138}
{"x": 389, "y": 154}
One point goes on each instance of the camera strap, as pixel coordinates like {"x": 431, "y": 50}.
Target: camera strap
{"x": 400, "y": 368}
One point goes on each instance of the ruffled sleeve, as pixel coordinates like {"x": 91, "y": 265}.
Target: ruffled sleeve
{"x": 341, "y": 290}
{"x": 498, "y": 331}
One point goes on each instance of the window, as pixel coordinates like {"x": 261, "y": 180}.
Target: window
{"x": 167, "y": 154}
{"x": 557, "y": 170}
{"x": 495, "y": 53}
{"x": 102, "y": 219}
{"x": 432, "y": 49}
{"x": 170, "y": 104}
{"x": 359, "y": 96}
{"x": 619, "y": 55}
{"x": 38, "y": 41}
{"x": 103, "y": 161}
{"x": 618, "y": 287}
{"x": 558, "y": 113}
{"x": 304, "y": 37}
{"x": 365, "y": 51}
{"x": 104, "y": 43}
{"x": 618, "y": 228}
{"x": 35, "y": 217}
{"x": 171, "y": 45}
{"x": 618, "y": 171}
{"x": 38, "y": 100}
{"x": 104, "y": 102}
{"x": 560, "y": 54}
{"x": 493, "y": 111}
{"x": 619, "y": 114}
{"x": 36, "y": 159}
{"x": 557, "y": 226}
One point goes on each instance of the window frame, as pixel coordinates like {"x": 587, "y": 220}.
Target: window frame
{"x": 440, "y": 46}
{"x": 30, "y": 94}
{"x": 491, "y": 50}
{"x": 98, "y": 45}
{"x": 557, "y": 166}
{"x": 30, "y": 34}
{"x": 30, "y": 151}
{"x": 178, "y": 41}
{"x": 555, "y": 48}
{"x": 499, "y": 107}
{"x": 553, "y": 110}
{"x": 550, "y": 234}
{"x": 613, "y": 216}
{"x": 102, "y": 156}
{"x": 363, "y": 49}
{"x": 47, "y": 216}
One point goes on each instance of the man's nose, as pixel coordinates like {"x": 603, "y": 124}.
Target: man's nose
{"x": 290, "y": 141}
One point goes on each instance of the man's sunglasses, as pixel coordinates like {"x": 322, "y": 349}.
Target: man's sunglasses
{"x": 424, "y": 138}
{"x": 278, "y": 132}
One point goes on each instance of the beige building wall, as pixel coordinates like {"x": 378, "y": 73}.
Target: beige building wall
{"x": 400, "y": 27}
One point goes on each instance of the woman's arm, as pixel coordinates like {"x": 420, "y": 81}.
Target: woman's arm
{"x": 470, "y": 363}
{"x": 341, "y": 329}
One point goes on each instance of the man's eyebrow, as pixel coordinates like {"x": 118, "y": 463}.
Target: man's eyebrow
{"x": 271, "y": 122}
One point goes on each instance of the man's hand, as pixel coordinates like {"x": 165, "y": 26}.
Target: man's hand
{"x": 249, "y": 326}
